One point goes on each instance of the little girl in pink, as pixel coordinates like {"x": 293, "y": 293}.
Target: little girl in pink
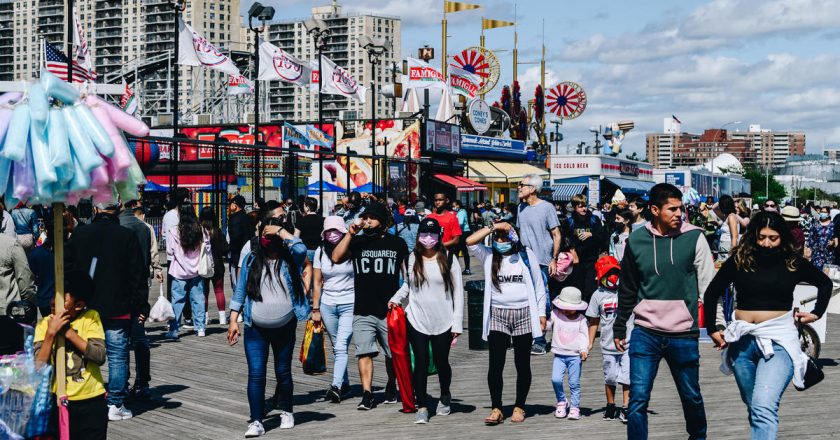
{"x": 570, "y": 344}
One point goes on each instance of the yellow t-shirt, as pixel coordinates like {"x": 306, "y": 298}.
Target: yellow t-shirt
{"x": 84, "y": 380}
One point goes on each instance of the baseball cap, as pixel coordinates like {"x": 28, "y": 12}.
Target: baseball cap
{"x": 107, "y": 206}
{"x": 238, "y": 200}
{"x": 429, "y": 225}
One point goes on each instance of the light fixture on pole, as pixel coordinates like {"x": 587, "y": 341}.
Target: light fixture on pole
{"x": 178, "y": 6}
{"x": 376, "y": 48}
{"x": 262, "y": 13}
{"x": 319, "y": 31}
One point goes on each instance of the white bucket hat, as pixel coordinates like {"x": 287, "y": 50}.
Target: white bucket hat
{"x": 569, "y": 299}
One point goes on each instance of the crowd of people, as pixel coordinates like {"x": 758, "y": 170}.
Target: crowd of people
{"x": 555, "y": 277}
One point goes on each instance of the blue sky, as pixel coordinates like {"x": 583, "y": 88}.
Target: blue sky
{"x": 768, "y": 62}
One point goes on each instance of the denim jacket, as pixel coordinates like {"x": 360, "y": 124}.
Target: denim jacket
{"x": 240, "y": 296}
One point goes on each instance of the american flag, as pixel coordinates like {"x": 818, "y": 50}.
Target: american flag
{"x": 56, "y": 63}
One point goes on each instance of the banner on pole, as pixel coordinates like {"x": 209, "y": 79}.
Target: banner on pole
{"x": 338, "y": 81}
{"x": 422, "y": 75}
{"x": 195, "y": 50}
{"x": 277, "y": 64}
{"x": 239, "y": 85}
{"x": 462, "y": 82}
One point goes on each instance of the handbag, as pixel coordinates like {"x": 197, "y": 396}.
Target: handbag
{"x": 205, "y": 262}
{"x": 313, "y": 355}
{"x": 162, "y": 310}
{"x": 813, "y": 371}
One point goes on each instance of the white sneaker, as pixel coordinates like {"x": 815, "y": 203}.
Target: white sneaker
{"x": 287, "y": 420}
{"x": 222, "y": 318}
{"x": 255, "y": 429}
{"x": 206, "y": 319}
{"x": 201, "y": 333}
{"x": 119, "y": 413}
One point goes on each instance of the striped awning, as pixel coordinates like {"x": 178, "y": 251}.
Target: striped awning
{"x": 565, "y": 191}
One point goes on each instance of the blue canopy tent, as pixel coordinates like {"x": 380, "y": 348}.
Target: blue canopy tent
{"x": 154, "y": 187}
{"x": 315, "y": 188}
{"x": 369, "y": 188}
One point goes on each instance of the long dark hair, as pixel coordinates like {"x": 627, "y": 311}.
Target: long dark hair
{"x": 260, "y": 258}
{"x": 746, "y": 249}
{"x": 626, "y": 215}
{"x": 189, "y": 231}
{"x": 442, "y": 261}
{"x": 207, "y": 218}
{"x": 496, "y": 264}
{"x": 727, "y": 205}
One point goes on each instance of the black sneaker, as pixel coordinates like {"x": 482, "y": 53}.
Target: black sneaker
{"x": 345, "y": 390}
{"x": 139, "y": 393}
{"x": 610, "y": 412}
{"x": 390, "y": 394}
{"x": 333, "y": 395}
{"x": 466, "y": 272}
{"x": 622, "y": 415}
{"x": 367, "y": 402}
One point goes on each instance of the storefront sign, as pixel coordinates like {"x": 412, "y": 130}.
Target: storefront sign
{"x": 629, "y": 169}
{"x": 565, "y": 166}
{"x": 443, "y": 138}
{"x": 478, "y": 113}
{"x": 676, "y": 179}
{"x": 483, "y": 146}
{"x": 594, "y": 191}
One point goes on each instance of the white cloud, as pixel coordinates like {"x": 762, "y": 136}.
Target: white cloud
{"x": 752, "y": 18}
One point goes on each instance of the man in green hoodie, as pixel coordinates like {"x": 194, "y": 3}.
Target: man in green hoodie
{"x": 667, "y": 266}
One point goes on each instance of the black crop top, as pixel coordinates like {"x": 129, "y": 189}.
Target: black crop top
{"x": 769, "y": 287}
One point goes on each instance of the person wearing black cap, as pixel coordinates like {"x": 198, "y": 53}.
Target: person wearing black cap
{"x": 240, "y": 228}
{"x": 378, "y": 265}
{"x": 112, "y": 256}
{"x": 352, "y": 209}
{"x": 435, "y": 312}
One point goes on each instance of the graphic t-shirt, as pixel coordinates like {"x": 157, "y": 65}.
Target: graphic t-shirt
{"x": 604, "y": 305}
{"x": 512, "y": 292}
{"x": 84, "y": 380}
{"x": 377, "y": 264}
{"x": 449, "y": 223}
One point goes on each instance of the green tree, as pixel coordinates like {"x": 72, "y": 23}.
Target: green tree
{"x": 805, "y": 194}
{"x": 758, "y": 179}
{"x": 633, "y": 156}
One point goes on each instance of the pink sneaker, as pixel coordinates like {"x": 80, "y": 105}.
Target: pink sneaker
{"x": 560, "y": 411}
{"x": 574, "y": 414}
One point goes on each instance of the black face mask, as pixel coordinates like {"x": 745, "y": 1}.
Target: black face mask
{"x": 619, "y": 227}
{"x": 768, "y": 252}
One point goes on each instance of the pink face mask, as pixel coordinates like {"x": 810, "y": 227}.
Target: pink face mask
{"x": 428, "y": 240}
{"x": 333, "y": 236}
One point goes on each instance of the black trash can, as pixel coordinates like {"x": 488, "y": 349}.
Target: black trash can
{"x": 475, "y": 314}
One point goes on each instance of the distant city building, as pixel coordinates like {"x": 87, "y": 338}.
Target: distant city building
{"x": 831, "y": 153}
{"x": 290, "y": 102}
{"x": 756, "y": 147}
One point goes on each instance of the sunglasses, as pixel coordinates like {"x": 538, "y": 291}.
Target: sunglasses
{"x": 769, "y": 205}
{"x": 440, "y": 200}
{"x": 522, "y": 185}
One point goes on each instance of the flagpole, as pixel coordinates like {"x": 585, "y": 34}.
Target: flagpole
{"x": 481, "y": 45}
{"x": 178, "y": 6}
{"x": 443, "y": 42}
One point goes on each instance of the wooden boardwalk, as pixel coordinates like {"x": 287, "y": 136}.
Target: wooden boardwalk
{"x": 199, "y": 388}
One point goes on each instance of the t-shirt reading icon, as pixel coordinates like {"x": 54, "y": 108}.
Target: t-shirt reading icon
{"x": 377, "y": 266}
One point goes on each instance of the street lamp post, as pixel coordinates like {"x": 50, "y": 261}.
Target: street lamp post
{"x": 178, "y": 6}
{"x": 376, "y": 47}
{"x": 319, "y": 31}
{"x": 262, "y": 13}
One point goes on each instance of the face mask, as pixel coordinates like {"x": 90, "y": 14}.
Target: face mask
{"x": 428, "y": 240}
{"x": 266, "y": 243}
{"x": 823, "y": 216}
{"x": 371, "y": 232}
{"x": 619, "y": 227}
{"x": 768, "y": 252}
{"x": 333, "y": 236}
{"x": 503, "y": 247}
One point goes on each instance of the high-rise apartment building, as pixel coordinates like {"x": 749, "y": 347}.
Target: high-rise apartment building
{"x": 755, "y": 147}
{"x": 290, "y": 102}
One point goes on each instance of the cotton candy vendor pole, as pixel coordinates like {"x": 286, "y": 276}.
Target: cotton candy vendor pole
{"x": 58, "y": 250}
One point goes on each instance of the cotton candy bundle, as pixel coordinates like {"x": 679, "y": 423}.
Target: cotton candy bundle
{"x": 57, "y": 145}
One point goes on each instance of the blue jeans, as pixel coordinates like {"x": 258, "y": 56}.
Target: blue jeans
{"x": 116, "y": 349}
{"x": 540, "y": 340}
{"x": 194, "y": 290}
{"x": 683, "y": 358}
{"x": 257, "y": 342}
{"x": 562, "y": 364}
{"x": 142, "y": 355}
{"x": 761, "y": 382}
{"x": 339, "y": 323}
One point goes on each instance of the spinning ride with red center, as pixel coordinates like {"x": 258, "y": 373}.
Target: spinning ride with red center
{"x": 567, "y": 100}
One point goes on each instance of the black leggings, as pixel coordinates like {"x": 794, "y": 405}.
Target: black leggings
{"x": 521, "y": 358}
{"x": 440, "y": 352}
{"x": 462, "y": 248}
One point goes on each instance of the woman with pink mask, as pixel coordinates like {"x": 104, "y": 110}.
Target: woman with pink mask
{"x": 332, "y": 301}
{"x": 435, "y": 312}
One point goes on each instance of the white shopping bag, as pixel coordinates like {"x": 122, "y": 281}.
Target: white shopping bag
{"x": 162, "y": 310}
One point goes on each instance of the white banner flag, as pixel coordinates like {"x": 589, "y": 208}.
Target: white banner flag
{"x": 422, "y": 75}
{"x": 195, "y": 50}
{"x": 338, "y": 81}
{"x": 462, "y": 82}
{"x": 314, "y": 77}
{"x": 276, "y": 64}
{"x": 239, "y": 85}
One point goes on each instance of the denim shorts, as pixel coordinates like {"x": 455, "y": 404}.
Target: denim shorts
{"x": 367, "y": 331}
{"x": 617, "y": 369}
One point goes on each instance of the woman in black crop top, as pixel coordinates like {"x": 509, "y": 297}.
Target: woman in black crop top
{"x": 764, "y": 269}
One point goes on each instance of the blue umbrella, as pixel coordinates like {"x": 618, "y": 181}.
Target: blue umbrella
{"x": 154, "y": 187}
{"x": 369, "y": 188}
{"x": 315, "y": 188}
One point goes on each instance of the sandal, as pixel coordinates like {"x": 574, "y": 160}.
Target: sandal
{"x": 496, "y": 417}
{"x": 518, "y": 415}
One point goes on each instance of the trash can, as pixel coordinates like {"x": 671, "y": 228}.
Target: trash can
{"x": 475, "y": 314}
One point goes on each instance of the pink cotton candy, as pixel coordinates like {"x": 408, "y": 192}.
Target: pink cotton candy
{"x": 99, "y": 176}
{"x": 121, "y": 158}
{"x": 73, "y": 198}
{"x": 121, "y": 119}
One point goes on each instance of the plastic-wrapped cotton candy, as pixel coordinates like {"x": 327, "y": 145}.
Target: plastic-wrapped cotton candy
{"x": 81, "y": 179}
{"x": 38, "y": 104}
{"x": 99, "y": 176}
{"x": 120, "y": 119}
{"x": 58, "y": 141}
{"x": 121, "y": 157}
{"x": 17, "y": 136}
{"x": 97, "y": 134}
{"x": 5, "y": 172}
{"x": 58, "y": 89}
{"x": 44, "y": 171}
{"x": 10, "y": 97}
{"x": 24, "y": 178}
{"x": 83, "y": 147}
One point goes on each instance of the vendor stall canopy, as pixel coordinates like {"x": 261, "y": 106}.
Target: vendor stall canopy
{"x": 496, "y": 171}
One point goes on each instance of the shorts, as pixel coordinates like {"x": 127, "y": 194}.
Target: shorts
{"x": 367, "y": 331}
{"x": 617, "y": 369}
{"x": 513, "y": 322}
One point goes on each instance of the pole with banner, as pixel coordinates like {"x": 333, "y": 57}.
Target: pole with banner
{"x": 448, "y": 8}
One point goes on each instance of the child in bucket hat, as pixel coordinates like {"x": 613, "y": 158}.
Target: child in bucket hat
{"x": 570, "y": 345}
{"x": 602, "y": 311}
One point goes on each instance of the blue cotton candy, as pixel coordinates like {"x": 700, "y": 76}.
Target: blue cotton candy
{"x": 97, "y": 134}
{"x": 44, "y": 171}
{"x": 17, "y": 136}
{"x": 58, "y": 89}
{"x": 58, "y": 140}
{"x": 5, "y": 172}
{"x": 38, "y": 104}
{"x": 82, "y": 146}
{"x": 81, "y": 179}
